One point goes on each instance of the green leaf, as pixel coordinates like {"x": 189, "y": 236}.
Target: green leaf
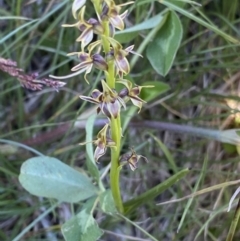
{"x": 148, "y": 24}
{"x": 12, "y": 33}
{"x": 83, "y": 226}
{"x": 238, "y": 132}
{"x": 107, "y": 203}
{"x": 227, "y": 136}
{"x": 189, "y": 14}
{"x": 48, "y": 177}
{"x": 196, "y": 187}
{"x": 91, "y": 164}
{"x": 126, "y": 37}
{"x": 179, "y": 3}
{"x": 130, "y": 33}
{"x": 153, "y": 192}
{"x": 149, "y": 94}
{"x": 162, "y": 50}
{"x": 228, "y": 148}
{"x": 166, "y": 152}
{"x": 26, "y": 31}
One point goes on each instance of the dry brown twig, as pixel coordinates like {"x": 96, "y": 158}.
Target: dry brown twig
{"x": 28, "y": 81}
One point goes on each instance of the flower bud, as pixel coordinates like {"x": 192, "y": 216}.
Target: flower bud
{"x": 96, "y": 93}
{"x": 136, "y": 90}
{"x": 123, "y": 93}
{"x": 83, "y": 56}
{"x": 99, "y": 62}
{"x": 104, "y": 15}
{"x": 110, "y": 56}
{"x": 82, "y": 27}
{"x": 96, "y": 26}
{"x": 132, "y": 159}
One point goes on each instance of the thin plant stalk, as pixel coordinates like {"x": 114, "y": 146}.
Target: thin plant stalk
{"x": 115, "y": 124}
{"x": 115, "y": 172}
{"x": 234, "y": 223}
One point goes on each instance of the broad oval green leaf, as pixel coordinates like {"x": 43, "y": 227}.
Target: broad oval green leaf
{"x": 176, "y": 7}
{"x": 162, "y": 50}
{"x": 83, "y": 226}
{"x": 107, "y": 203}
{"x": 148, "y": 24}
{"x": 149, "y": 94}
{"x": 130, "y": 33}
{"x": 48, "y": 177}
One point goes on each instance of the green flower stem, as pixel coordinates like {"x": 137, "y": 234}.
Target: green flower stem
{"x": 111, "y": 73}
{"x": 115, "y": 125}
{"x": 105, "y": 43}
{"x": 110, "y": 78}
{"x": 116, "y": 136}
{"x": 115, "y": 172}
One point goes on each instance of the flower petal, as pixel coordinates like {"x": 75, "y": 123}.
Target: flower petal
{"x": 117, "y": 22}
{"x": 86, "y": 37}
{"x": 70, "y": 25}
{"x": 114, "y": 108}
{"x": 89, "y": 99}
{"x": 106, "y": 88}
{"x": 129, "y": 48}
{"x": 137, "y": 103}
{"x": 82, "y": 65}
{"x": 88, "y": 70}
{"x": 77, "y": 4}
{"x": 105, "y": 110}
{"x": 125, "y": 4}
{"x": 68, "y": 76}
{"x": 126, "y": 82}
{"x": 122, "y": 64}
{"x": 103, "y": 132}
{"x": 145, "y": 158}
{"x": 137, "y": 98}
{"x": 115, "y": 44}
{"x": 99, "y": 152}
{"x": 122, "y": 102}
{"x": 94, "y": 45}
{"x": 124, "y": 14}
{"x": 132, "y": 164}
{"x": 73, "y": 53}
